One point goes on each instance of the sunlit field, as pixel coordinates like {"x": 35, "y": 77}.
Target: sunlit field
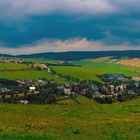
{"x": 87, "y": 120}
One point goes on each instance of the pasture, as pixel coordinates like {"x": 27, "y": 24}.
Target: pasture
{"x": 89, "y": 69}
{"x": 135, "y": 62}
{"x": 13, "y": 71}
{"x": 100, "y": 59}
{"x": 43, "y": 60}
{"x": 31, "y": 74}
{"x": 86, "y": 121}
{"x": 12, "y": 66}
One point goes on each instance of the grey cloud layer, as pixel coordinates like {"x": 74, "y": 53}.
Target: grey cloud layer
{"x": 105, "y": 24}
{"x": 38, "y": 7}
{"x": 67, "y": 45}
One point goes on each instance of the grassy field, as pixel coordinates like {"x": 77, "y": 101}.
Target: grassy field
{"x": 14, "y": 71}
{"x": 135, "y": 62}
{"x": 13, "y": 66}
{"x": 89, "y": 69}
{"x": 86, "y": 121}
{"x": 83, "y": 73}
{"x": 100, "y": 59}
{"x": 43, "y": 60}
{"x": 109, "y": 63}
{"x": 32, "y": 74}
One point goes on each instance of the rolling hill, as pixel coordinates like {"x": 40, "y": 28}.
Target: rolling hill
{"x": 70, "y": 56}
{"x": 135, "y": 62}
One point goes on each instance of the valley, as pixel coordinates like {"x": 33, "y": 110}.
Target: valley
{"x": 78, "y": 114}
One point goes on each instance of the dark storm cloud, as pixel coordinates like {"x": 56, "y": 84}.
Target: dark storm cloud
{"x": 108, "y": 22}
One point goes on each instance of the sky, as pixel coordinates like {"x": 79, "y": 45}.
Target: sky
{"x": 35, "y": 26}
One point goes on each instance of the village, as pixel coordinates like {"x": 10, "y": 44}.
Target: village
{"x": 115, "y": 88}
{"x": 11, "y": 60}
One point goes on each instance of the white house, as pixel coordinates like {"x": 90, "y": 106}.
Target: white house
{"x": 25, "y": 102}
{"x": 67, "y": 91}
{"x": 32, "y": 88}
{"x": 121, "y": 87}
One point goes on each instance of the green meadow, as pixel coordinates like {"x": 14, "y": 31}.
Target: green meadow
{"x": 107, "y": 66}
{"x": 12, "y": 66}
{"x": 31, "y": 74}
{"x": 43, "y": 60}
{"x": 85, "y": 121}
{"x": 89, "y": 70}
{"x": 14, "y": 71}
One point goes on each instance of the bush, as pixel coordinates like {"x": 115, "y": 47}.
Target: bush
{"x": 104, "y": 100}
{"x": 28, "y": 125}
{"x": 76, "y": 132}
{"x": 51, "y": 99}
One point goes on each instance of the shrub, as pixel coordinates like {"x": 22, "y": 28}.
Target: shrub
{"x": 76, "y": 132}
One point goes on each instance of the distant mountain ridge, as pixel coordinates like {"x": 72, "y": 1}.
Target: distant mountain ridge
{"x": 78, "y": 55}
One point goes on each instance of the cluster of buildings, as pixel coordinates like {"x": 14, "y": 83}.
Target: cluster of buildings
{"x": 11, "y": 60}
{"x": 66, "y": 89}
{"x": 114, "y": 85}
{"x": 30, "y": 82}
{"x": 36, "y": 86}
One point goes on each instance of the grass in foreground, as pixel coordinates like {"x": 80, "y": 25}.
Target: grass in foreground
{"x": 86, "y": 121}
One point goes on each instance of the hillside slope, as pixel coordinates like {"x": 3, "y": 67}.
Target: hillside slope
{"x": 86, "y": 121}
{"x": 135, "y": 62}
{"x": 69, "y": 56}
